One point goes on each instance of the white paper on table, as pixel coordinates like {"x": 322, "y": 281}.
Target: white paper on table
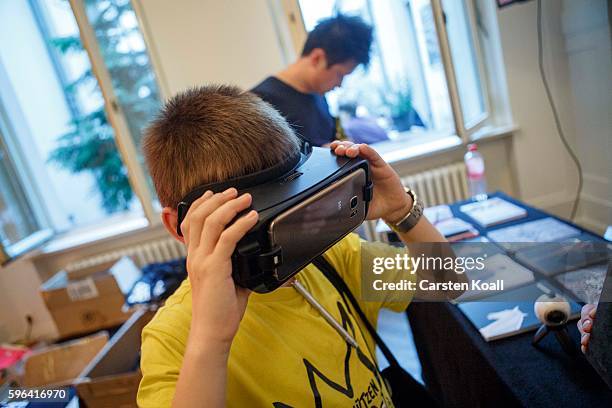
{"x": 504, "y": 321}
{"x": 437, "y": 213}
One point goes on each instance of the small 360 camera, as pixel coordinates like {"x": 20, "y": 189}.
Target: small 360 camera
{"x": 552, "y": 310}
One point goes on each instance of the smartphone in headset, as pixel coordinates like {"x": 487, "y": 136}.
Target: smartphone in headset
{"x": 319, "y": 222}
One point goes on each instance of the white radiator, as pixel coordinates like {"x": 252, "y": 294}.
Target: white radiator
{"x": 441, "y": 185}
{"x": 162, "y": 250}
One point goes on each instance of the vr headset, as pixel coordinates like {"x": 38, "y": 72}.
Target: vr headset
{"x": 306, "y": 204}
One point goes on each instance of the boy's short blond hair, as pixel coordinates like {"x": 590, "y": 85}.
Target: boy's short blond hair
{"x": 213, "y": 133}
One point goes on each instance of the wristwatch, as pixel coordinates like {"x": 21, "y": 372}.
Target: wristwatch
{"x": 412, "y": 218}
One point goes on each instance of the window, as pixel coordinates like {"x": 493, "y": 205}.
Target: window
{"x": 19, "y": 227}
{"x": 426, "y": 79}
{"x": 73, "y": 107}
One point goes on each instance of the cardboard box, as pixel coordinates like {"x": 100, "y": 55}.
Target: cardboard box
{"x": 61, "y": 364}
{"x": 111, "y": 379}
{"x": 89, "y": 299}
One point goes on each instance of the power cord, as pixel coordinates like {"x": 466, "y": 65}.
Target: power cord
{"x": 555, "y": 114}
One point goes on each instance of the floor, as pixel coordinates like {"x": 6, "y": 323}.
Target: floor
{"x": 395, "y": 332}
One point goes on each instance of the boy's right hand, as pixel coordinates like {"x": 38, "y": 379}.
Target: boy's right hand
{"x": 217, "y": 303}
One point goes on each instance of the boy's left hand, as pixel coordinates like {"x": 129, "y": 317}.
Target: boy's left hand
{"x": 390, "y": 201}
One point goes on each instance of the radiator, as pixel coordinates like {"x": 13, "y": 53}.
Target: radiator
{"x": 162, "y": 250}
{"x": 441, "y": 185}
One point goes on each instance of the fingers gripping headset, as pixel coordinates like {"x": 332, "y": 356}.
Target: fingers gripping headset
{"x": 306, "y": 204}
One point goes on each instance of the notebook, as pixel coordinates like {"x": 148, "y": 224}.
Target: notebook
{"x": 442, "y": 218}
{"x": 475, "y": 247}
{"x": 585, "y": 283}
{"x": 455, "y": 229}
{"x": 452, "y": 228}
{"x": 510, "y": 313}
{"x": 543, "y": 230}
{"x": 552, "y": 258}
{"x": 497, "y": 267}
{"x": 493, "y": 211}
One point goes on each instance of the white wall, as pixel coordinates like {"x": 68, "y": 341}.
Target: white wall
{"x": 19, "y": 289}
{"x": 587, "y": 44}
{"x": 577, "y": 62}
{"x": 200, "y": 41}
{"x": 544, "y": 170}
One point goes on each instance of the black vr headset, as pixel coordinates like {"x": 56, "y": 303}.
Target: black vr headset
{"x": 306, "y": 204}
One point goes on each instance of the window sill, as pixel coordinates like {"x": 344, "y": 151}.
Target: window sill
{"x": 425, "y": 144}
{"x": 74, "y": 240}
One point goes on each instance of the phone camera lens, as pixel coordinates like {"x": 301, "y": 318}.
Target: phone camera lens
{"x": 354, "y": 202}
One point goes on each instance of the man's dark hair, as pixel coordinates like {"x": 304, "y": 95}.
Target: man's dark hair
{"x": 343, "y": 38}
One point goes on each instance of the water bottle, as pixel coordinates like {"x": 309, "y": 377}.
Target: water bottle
{"x": 477, "y": 183}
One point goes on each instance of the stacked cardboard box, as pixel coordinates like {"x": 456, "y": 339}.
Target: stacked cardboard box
{"x": 90, "y": 299}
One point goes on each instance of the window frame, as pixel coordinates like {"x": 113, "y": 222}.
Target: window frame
{"x": 115, "y": 115}
{"x": 480, "y": 67}
{"x": 22, "y": 175}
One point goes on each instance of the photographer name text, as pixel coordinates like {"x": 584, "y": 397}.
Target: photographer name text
{"x": 425, "y": 285}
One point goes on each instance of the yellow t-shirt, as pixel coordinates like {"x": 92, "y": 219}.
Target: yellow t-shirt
{"x": 284, "y": 353}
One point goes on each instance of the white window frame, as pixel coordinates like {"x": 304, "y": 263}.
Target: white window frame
{"x": 114, "y": 113}
{"x": 471, "y": 128}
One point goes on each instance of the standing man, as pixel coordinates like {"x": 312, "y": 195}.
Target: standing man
{"x": 334, "y": 48}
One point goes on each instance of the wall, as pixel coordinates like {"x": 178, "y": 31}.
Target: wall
{"x": 577, "y": 62}
{"x": 544, "y": 172}
{"x": 19, "y": 283}
{"x": 587, "y": 44}
{"x": 199, "y": 41}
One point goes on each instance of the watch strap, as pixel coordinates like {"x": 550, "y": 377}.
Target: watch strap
{"x": 412, "y": 217}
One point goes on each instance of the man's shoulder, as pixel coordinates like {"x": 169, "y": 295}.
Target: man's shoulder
{"x": 269, "y": 86}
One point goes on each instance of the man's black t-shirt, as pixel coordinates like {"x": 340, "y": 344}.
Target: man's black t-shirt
{"x": 308, "y": 114}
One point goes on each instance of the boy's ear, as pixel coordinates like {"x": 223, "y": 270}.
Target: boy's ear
{"x": 169, "y": 217}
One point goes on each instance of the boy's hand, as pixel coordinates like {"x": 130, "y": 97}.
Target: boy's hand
{"x": 585, "y": 324}
{"x": 217, "y": 303}
{"x": 390, "y": 201}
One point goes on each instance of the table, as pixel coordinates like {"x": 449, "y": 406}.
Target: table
{"x": 463, "y": 370}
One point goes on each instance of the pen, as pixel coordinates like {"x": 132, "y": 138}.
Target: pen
{"x": 326, "y": 315}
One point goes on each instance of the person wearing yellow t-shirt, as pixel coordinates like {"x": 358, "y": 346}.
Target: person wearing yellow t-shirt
{"x": 215, "y": 344}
